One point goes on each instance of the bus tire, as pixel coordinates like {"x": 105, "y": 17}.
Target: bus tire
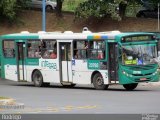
{"x": 98, "y": 82}
{"x": 130, "y": 86}
{"x": 37, "y": 79}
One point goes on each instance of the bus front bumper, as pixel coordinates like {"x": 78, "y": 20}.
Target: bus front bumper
{"x": 126, "y": 78}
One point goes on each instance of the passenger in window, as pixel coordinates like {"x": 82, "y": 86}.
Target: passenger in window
{"x": 30, "y": 52}
{"x": 100, "y": 55}
{"x": 53, "y": 55}
{"x": 37, "y": 53}
{"x": 46, "y": 54}
{"x": 86, "y": 45}
{"x": 77, "y": 55}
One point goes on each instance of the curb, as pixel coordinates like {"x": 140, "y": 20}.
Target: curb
{"x": 8, "y": 101}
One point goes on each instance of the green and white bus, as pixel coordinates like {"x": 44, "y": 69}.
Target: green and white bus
{"x": 71, "y": 58}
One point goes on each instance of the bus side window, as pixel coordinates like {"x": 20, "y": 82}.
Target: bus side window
{"x": 80, "y": 49}
{"x": 8, "y": 49}
{"x": 49, "y": 49}
{"x": 96, "y": 49}
{"x": 34, "y": 50}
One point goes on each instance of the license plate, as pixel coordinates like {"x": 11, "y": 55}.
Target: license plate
{"x": 143, "y": 78}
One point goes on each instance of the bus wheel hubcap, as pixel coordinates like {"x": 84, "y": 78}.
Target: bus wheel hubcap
{"x": 99, "y": 81}
{"x": 37, "y": 79}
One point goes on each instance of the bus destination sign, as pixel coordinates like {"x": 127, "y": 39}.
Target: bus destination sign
{"x": 137, "y": 38}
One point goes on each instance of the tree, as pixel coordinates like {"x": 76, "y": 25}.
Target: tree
{"x": 9, "y": 8}
{"x": 98, "y": 9}
{"x": 101, "y": 8}
{"x": 59, "y": 8}
{"x": 122, "y": 8}
{"x": 150, "y": 4}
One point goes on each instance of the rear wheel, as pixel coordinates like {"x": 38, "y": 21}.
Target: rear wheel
{"x": 130, "y": 86}
{"x": 98, "y": 82}
{"x": 37, "y": 79}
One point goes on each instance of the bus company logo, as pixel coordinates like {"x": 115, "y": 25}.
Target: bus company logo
{"x": 48, "y": 64}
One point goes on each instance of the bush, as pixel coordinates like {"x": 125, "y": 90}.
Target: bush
{"x": 98, "y": 9}
{"x": 9, "y": 8}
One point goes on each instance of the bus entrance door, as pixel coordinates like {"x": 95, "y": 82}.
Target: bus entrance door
{"x": 65, "y": 62}
{"x": 113, "y": 62}
{"x": 20, "y": 61}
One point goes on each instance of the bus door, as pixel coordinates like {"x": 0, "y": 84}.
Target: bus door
{"x": 65, "y": 61}
{"x": 113, "y": 62}
{"x": 21, "y": 61}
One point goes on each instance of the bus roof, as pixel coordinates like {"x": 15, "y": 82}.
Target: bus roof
{"x": 111, "y": 35}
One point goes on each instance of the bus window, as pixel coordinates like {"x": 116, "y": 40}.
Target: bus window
{"x": 97, "y": 49}
{"x": 9, "y": 49}
{"x": 49, "y": 49}
{"x": 138, "y": 54}
{"x": 34, "y": 49}
{"x": 80, "y": 49}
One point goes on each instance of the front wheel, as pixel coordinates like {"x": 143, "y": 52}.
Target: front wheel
{"x": 130, "y": 86}
{"x": 37, "y": 79}
{"x": 98, "y": 82}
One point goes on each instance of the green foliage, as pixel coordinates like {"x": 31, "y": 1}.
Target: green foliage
{"x": 10, "y": 8}
{"x": 154, "y": 1}
{"x": 71, "y": 5}
{"x": 7, "y": 9}
{"x": 133, "y": 6}
{"x": 98, "y": 9}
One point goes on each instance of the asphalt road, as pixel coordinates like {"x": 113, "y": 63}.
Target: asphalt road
{"x": 81, "y": 99}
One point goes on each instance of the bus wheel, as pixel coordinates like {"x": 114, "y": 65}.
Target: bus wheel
{"x": 37, "y": 79}
{"x": 98, "y": 82}
{"x": 130, "y": 86}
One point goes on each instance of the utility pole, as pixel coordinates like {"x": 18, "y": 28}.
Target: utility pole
{"x": 44, "y": 16}
{"x": 158, "y": 16}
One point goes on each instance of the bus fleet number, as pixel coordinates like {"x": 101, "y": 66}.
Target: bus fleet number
{"x": 93, "y": 65}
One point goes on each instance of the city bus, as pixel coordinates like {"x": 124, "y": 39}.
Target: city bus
{"x": 68, "y": 58}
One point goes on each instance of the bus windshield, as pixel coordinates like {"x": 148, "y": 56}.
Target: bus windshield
{"x": 139, "y": 54}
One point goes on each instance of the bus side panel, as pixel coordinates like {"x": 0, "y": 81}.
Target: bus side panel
{"x": 81, "y": 74}
{"x": 50, "y": 70}
{"x": 11, "y": 72}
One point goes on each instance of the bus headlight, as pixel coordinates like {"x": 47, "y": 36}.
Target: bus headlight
{"x": 123, "y": 72}
{"x": 155, "y": 73}
{"x": 128, "y": 75}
